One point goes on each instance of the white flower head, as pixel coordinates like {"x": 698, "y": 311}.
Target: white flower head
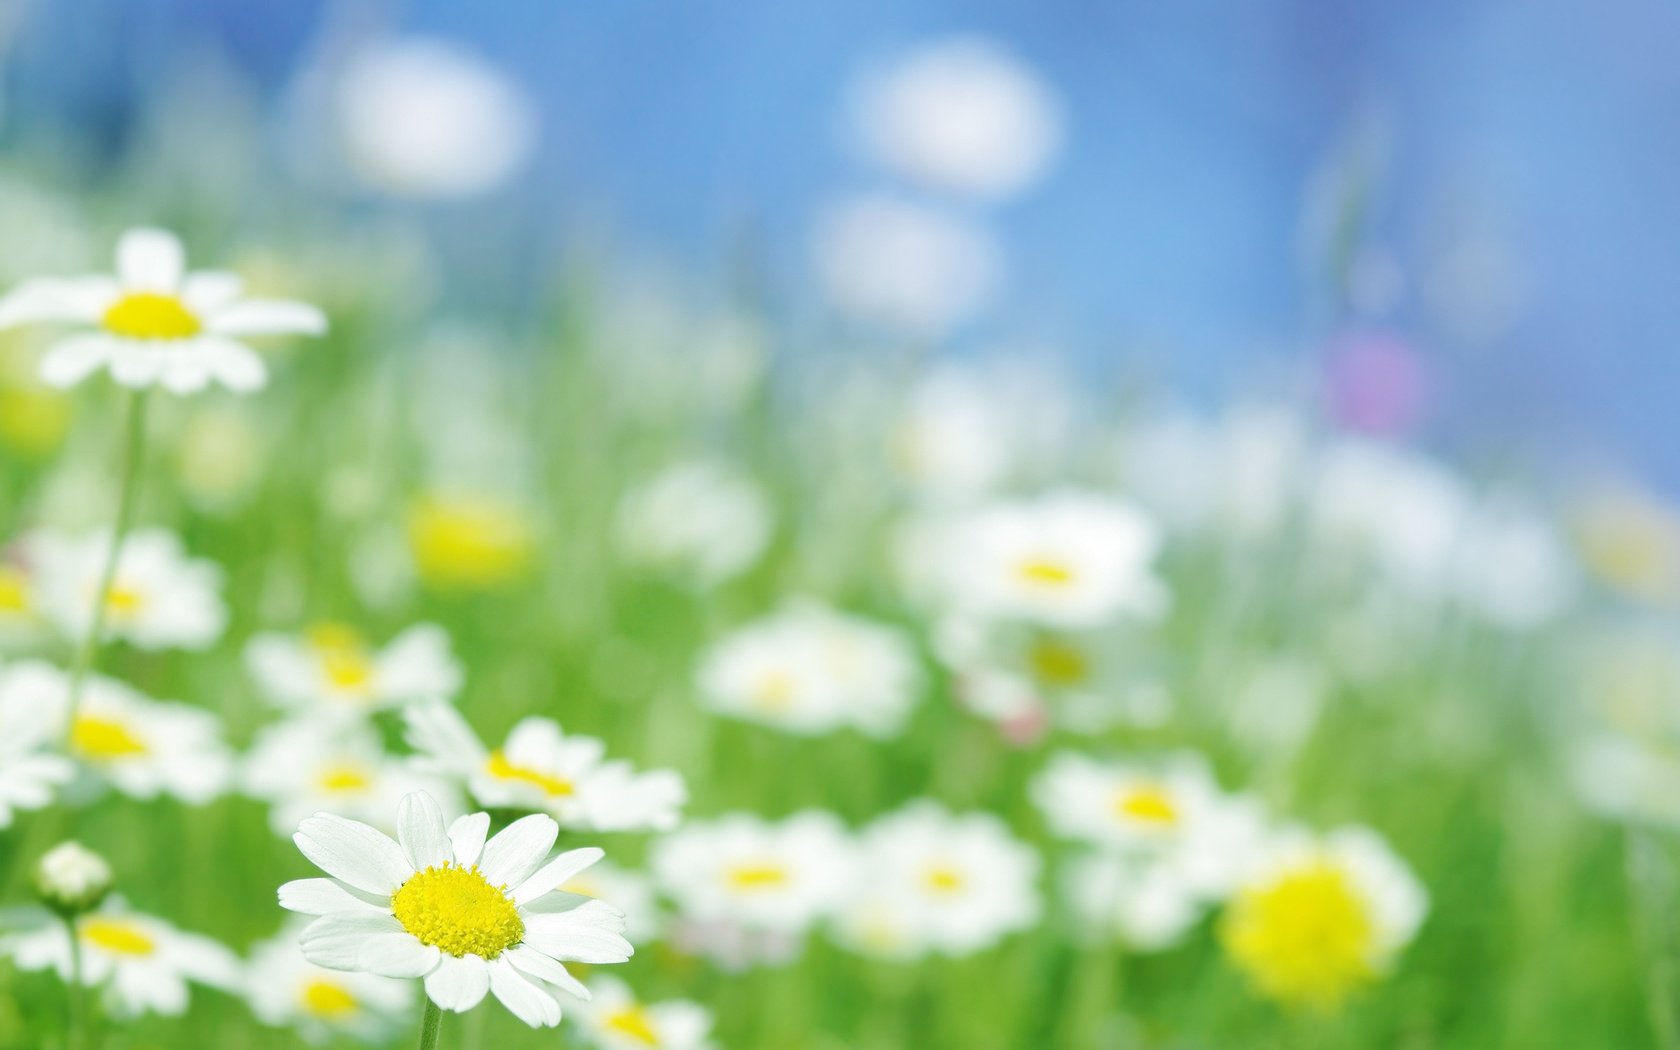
{"x": 1146, "y": 903}
{"x": 287, "y": 990}
{"x": 308, "y": 765}
{"x": 962, "y": 115}
{"x": 159, "y": 598}
{"x": 704, "y": 520}
{"x": 808, "y": 669}
{"x": 30, "y": 770}
{"x": 777, "y": 876}
{"x": 615, "y": 1019}
{"x": 928, "y": 881}
{"x": 333, "y": 669}
{"x": 472, "y": 917}
{"x": 154, "y": 323}
{"x": 142, "y": 962}
{"x": 72, "y": 878}
{"x": 541, "y": 768}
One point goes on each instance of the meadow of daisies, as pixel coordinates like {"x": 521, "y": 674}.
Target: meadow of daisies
{"x": 662, "y": 675}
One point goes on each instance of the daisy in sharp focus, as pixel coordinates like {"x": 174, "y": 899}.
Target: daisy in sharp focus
{"x": 287, "y": 990}
{"x": 1320, "y": 917}
{"x": 143, "y": 963}
{"x": 614, "y": 1019}
{"x": 741, "y": 869}
{"x": 333, "y": 667}
{"x": 30, "y": 770}
{"x": 471, "y": 917}
{"x": 309, "y": 765}
{"x": 931, "y": 881}
{"x": 159, "y": 598}
{"x": 154, "y": 323}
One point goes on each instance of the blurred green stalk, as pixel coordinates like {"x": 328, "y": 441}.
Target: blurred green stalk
{"x": 429, "y": 1023}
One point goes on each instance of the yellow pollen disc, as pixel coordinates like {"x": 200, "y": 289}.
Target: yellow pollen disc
{"x": 124, "y": 602}
{"x": 99, "y": 739}
{"x": 344, "y": 778}
{"x": 757, "y": 876}
{"x": 118, "y": 937}
{"x": 14, "y": 590}
{"x": 1149, "y": 803}
{"x": 344, "y": 657}
{"x": 328, "y": 1000}
{"x": 457, "y": 910}
{"x": 476, "y": 543}
{"x": 942, "y": 878}
{"x": 773, "y": 692}
{"x": 1045, "y": 572}
{"x": 149, "y": 315}
{"x": 632, "y": 1022}
{"x": 1306, "y": 938}
{"x": 1059, "y": 663}
{"x": 553, "y": 786}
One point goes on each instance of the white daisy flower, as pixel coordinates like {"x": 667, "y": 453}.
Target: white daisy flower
{"x": 333, "y": 667}
{"x": 20, "y": 621}
{"x": 1147, "y": 904}
{"x": 928, "y": 881}
{"x": 286, "y": 990}
{"x": 543, "y": 769}
{"x": 707, "y": 521}
{"x": 810, "y": 670}
{"x": 309, "y": 766}
{"x": 1069, "y": 559}
{"x": 1319, "y": 917}
{"x": 142, "y": 962}
{"x": 142, "y": 747}
{"x": 154, "y": 323}
{"x": 614, "y": 1019}
{"x": 739, "y": 868}
{"x": 471, "y": 917}
{"x": 29, "y": 735}
{"x": 159, "y": 598}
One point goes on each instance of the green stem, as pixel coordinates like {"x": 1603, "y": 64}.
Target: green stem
{"x": 134, "y": 440}
{"x": 77, "y": 1029}
{"x": 429, "y": 1026}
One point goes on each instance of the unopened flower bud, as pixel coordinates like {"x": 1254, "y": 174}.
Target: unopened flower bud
{"x": 72, "y": 879}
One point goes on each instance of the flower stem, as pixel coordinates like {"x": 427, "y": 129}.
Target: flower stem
{"x": 429, "y": 1026}
{"x": 134, "y": 440}
{"x": 77, "y": 1029}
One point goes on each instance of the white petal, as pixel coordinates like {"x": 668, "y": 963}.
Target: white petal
{"x": 466, "y": 837}
{"x": 209, "y": 290}
{"x": 237, "y": 366}
{"x": 367, "y": 944}
{"x": 185, "y": 371}
{"x": 49, "y": 299}
{"x": 420, "y": 831}
{"x": 515, "y": 852}
{"x": 325, "y": 897}
{"x": 589, "y": 933}
{"x": 134, "y": 363}
{"x": 540, "y": 966}
{"x": 151, "y": 260}
{"x": 267, "y": 317}
{"x": 354, "y": 853}
{"x": 556, "y": 872}
{"x": 529, "y": 1002}
{"x": 458, "y": 984}
{"x": 74, "y": 359}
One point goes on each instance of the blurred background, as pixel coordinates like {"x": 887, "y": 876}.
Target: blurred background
{"x": 1466, "y": 201}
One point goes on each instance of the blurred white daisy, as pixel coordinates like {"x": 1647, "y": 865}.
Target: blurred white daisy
{"x": 286, "y": 990}
{"x": 1145, "y": 903}
{"x": 703, "y": 520}
{"x": 20, "y": 622}
{"x": 614, "y": 1019}
{"x": 471, "y": 917}
{"x": 962, "y": 115}
{"x": 308, "y": 765}
{"x": 1319, "y": 917}
{"x": 155, "y": 323}
{"x": 143, "y": 963}
{"x": 780, "y": 876}
{"x": 30, "y": 770}
{"x": 930, "y": 881}
{"x": 1068, "y": 559}
{"x": 333, "y": 668}
{"x": 541, "y": 768}
{"x": 159, "y": 598}
{"x": 809, "y": 669}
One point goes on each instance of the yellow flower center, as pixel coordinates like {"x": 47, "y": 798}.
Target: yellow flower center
{"x": 1059, "y": 663}
{"x": 773, "y": 692}
{"x": 1149, "y": 803}
{"x": 757, "y": 876}
{"x": 345, "y": 661}
{"x": 457, "y": 910}
{"x": 14, "y": 591}
{"x": 632, "y": 1022}
{"x": 1046, "y": 572}
{"x": 344, "y": 778}
{"x": 1306, "y": 938}
{"x": 151, "y": 315}
{"x": 328, "y": 1000}
{"x": 477, "y": 543}
{"x": 101, "y": 739}
{"x": 117, "y": 937}
{"x": 553, "y": 786}
{"x": 124, "y": 602}
{"x": 944, "y": 879}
